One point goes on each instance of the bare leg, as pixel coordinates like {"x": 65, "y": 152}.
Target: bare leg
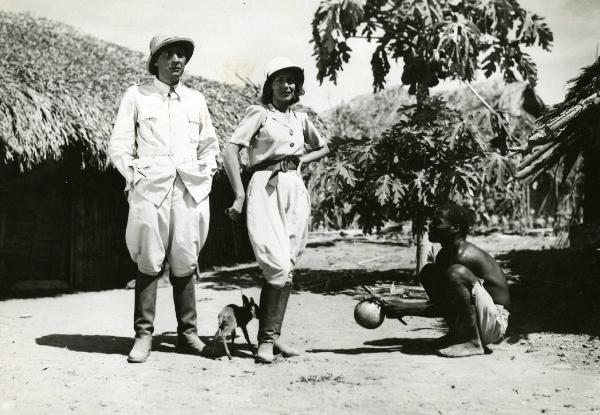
{"x": 226, "y": 348}
{"x": 217, "y": 336}
{"x": 434, "y": 281}
{"x": 432, "y": 278}
{"x": 466, "y": 341}
{"x": 245, "y": 330}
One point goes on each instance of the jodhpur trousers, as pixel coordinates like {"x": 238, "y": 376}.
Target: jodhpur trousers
{"x": 175, "y": 230}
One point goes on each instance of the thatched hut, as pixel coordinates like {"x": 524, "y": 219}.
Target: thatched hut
{"x": 568, "y": 133}
{"x": 62, "y": 209}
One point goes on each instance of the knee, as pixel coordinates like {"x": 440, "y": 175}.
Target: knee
{"x": 183, "y": 268}
{"x": 277, "y": 277}
{"x": 429, "y": 274}
{"x": 458, "y": 274}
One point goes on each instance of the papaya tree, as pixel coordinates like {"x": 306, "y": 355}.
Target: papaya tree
{"x": 435, "y": 40}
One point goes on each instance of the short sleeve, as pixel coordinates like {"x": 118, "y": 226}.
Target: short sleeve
{"x": 254, "y": 118}
{"x": 312, "y": 137}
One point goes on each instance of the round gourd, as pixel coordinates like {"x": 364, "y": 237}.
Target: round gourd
{"x": 369, "y": 314}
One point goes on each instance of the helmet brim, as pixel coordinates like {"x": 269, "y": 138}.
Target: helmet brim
{"x": 188, "y": 47}
{"x": 298, "y": 73}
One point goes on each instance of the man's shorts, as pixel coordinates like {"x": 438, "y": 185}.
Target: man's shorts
{"x": 491, "y": 318}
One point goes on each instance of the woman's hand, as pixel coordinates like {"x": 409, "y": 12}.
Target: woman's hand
{"x": 232, "y": 168}
{"x": 235, "y": 211}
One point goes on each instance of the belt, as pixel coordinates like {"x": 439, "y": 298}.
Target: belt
{"x": 165, "y": 151}
{"x": 282, "y": 165}
{"x": 288, "y": 163}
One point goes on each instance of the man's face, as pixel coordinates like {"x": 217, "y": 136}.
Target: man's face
{"x": 490, "y": 205}
{"x": 171, "y": 63}
{"x": 440, "y": 228}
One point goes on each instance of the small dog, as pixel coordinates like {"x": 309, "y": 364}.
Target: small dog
{"x": 233, "y": 316}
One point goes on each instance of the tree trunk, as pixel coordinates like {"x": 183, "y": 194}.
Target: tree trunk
{"x": 423, "y": 247}
{"x": 423, "y": 244}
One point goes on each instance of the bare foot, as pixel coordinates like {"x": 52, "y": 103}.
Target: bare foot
{"x": 469, "y": 348}
{"x": 444, "y": 341}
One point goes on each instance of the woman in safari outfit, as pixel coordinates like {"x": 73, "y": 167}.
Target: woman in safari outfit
{"x": 279, "y": 142}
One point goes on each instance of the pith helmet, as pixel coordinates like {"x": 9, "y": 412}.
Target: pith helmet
{"x": 161, "y": 40}
{"x": 279, "y": 64}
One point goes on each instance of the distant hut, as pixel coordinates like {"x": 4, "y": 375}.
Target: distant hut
{"x": 62, "y": 208}
{"x": 567, "y": 133}
{"x": 372, "y": 114}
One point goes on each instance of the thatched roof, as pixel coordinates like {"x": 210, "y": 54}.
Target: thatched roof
{"x": 567, "y": 128}
{"x": 372, "y": 114}
{"x": 60, "y": 90}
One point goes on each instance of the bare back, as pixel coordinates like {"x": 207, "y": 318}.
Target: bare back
{"x": 482, "y": 265}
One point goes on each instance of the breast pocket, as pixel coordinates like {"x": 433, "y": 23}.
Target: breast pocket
{"x": 146, "y": 123}
{"x": 194, "y": 127}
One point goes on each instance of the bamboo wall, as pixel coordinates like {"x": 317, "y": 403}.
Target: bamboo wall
{"x": 33, "y": 220}
{"x": 63, "y": 229}
{"x": 227, "y": 241}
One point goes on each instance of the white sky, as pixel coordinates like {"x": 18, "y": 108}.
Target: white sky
{"x": 237, "y": 36}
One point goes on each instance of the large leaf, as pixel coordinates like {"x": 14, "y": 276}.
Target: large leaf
{"x": 436, "y": 39}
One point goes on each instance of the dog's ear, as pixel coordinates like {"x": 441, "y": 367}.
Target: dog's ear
{"x": 245, "y": 300}
{"x": 252, "y": 301}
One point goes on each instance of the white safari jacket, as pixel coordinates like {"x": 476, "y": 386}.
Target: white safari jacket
{"x": 159, "y": 134}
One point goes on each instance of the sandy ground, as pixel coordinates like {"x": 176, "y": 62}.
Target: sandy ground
{"x": 67, "y": 354}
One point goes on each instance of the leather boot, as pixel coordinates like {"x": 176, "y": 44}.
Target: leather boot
{"x": 184, "y": 297}
{"x": 267, "y": 321}
{"x": 278, "y": 345}
{"x": 143, "y": 317}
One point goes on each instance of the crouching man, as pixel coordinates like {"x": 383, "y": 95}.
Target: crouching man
{"x": 465, "y": 286}
{"x": 164, "y": 145}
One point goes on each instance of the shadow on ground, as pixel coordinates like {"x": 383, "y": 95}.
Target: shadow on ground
{"x": 408, "y": 345}
{"x": 105, "y": 344}
{"x": 96, "y": 343}
{"x": 232, "y": 279}
{"x": 553, "y": 291}
{"x": 326, "y": 282}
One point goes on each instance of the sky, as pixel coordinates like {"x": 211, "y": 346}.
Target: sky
{"x": 236, "y": 38}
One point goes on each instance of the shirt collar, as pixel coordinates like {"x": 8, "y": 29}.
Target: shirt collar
{"x": 286, "y": 118}
{"x": 272, "y": 108}
{"x": 164, "y": 88}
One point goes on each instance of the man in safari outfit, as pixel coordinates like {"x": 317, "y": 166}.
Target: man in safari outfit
{"x": 164, "y": 145}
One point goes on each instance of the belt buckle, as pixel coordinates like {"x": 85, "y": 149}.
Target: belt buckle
{"x": 284, "y": 165}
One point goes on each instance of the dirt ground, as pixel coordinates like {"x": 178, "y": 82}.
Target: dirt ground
{"x": 67, "y": 354}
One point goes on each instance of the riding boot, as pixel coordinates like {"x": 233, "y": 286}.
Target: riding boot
{"x": 267, "y": 321}
{"x": 184, "y": 297}
{"x": 278, "y": 345}
{"x": 143, "y": 317}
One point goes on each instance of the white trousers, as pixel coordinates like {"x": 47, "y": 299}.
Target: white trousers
{"x": 492, "y": 319}
{"x": 175, "y": 230}
{"x": 277, "y": 219}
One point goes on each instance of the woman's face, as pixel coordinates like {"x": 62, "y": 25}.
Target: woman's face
{"x": 284, "y": 87}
